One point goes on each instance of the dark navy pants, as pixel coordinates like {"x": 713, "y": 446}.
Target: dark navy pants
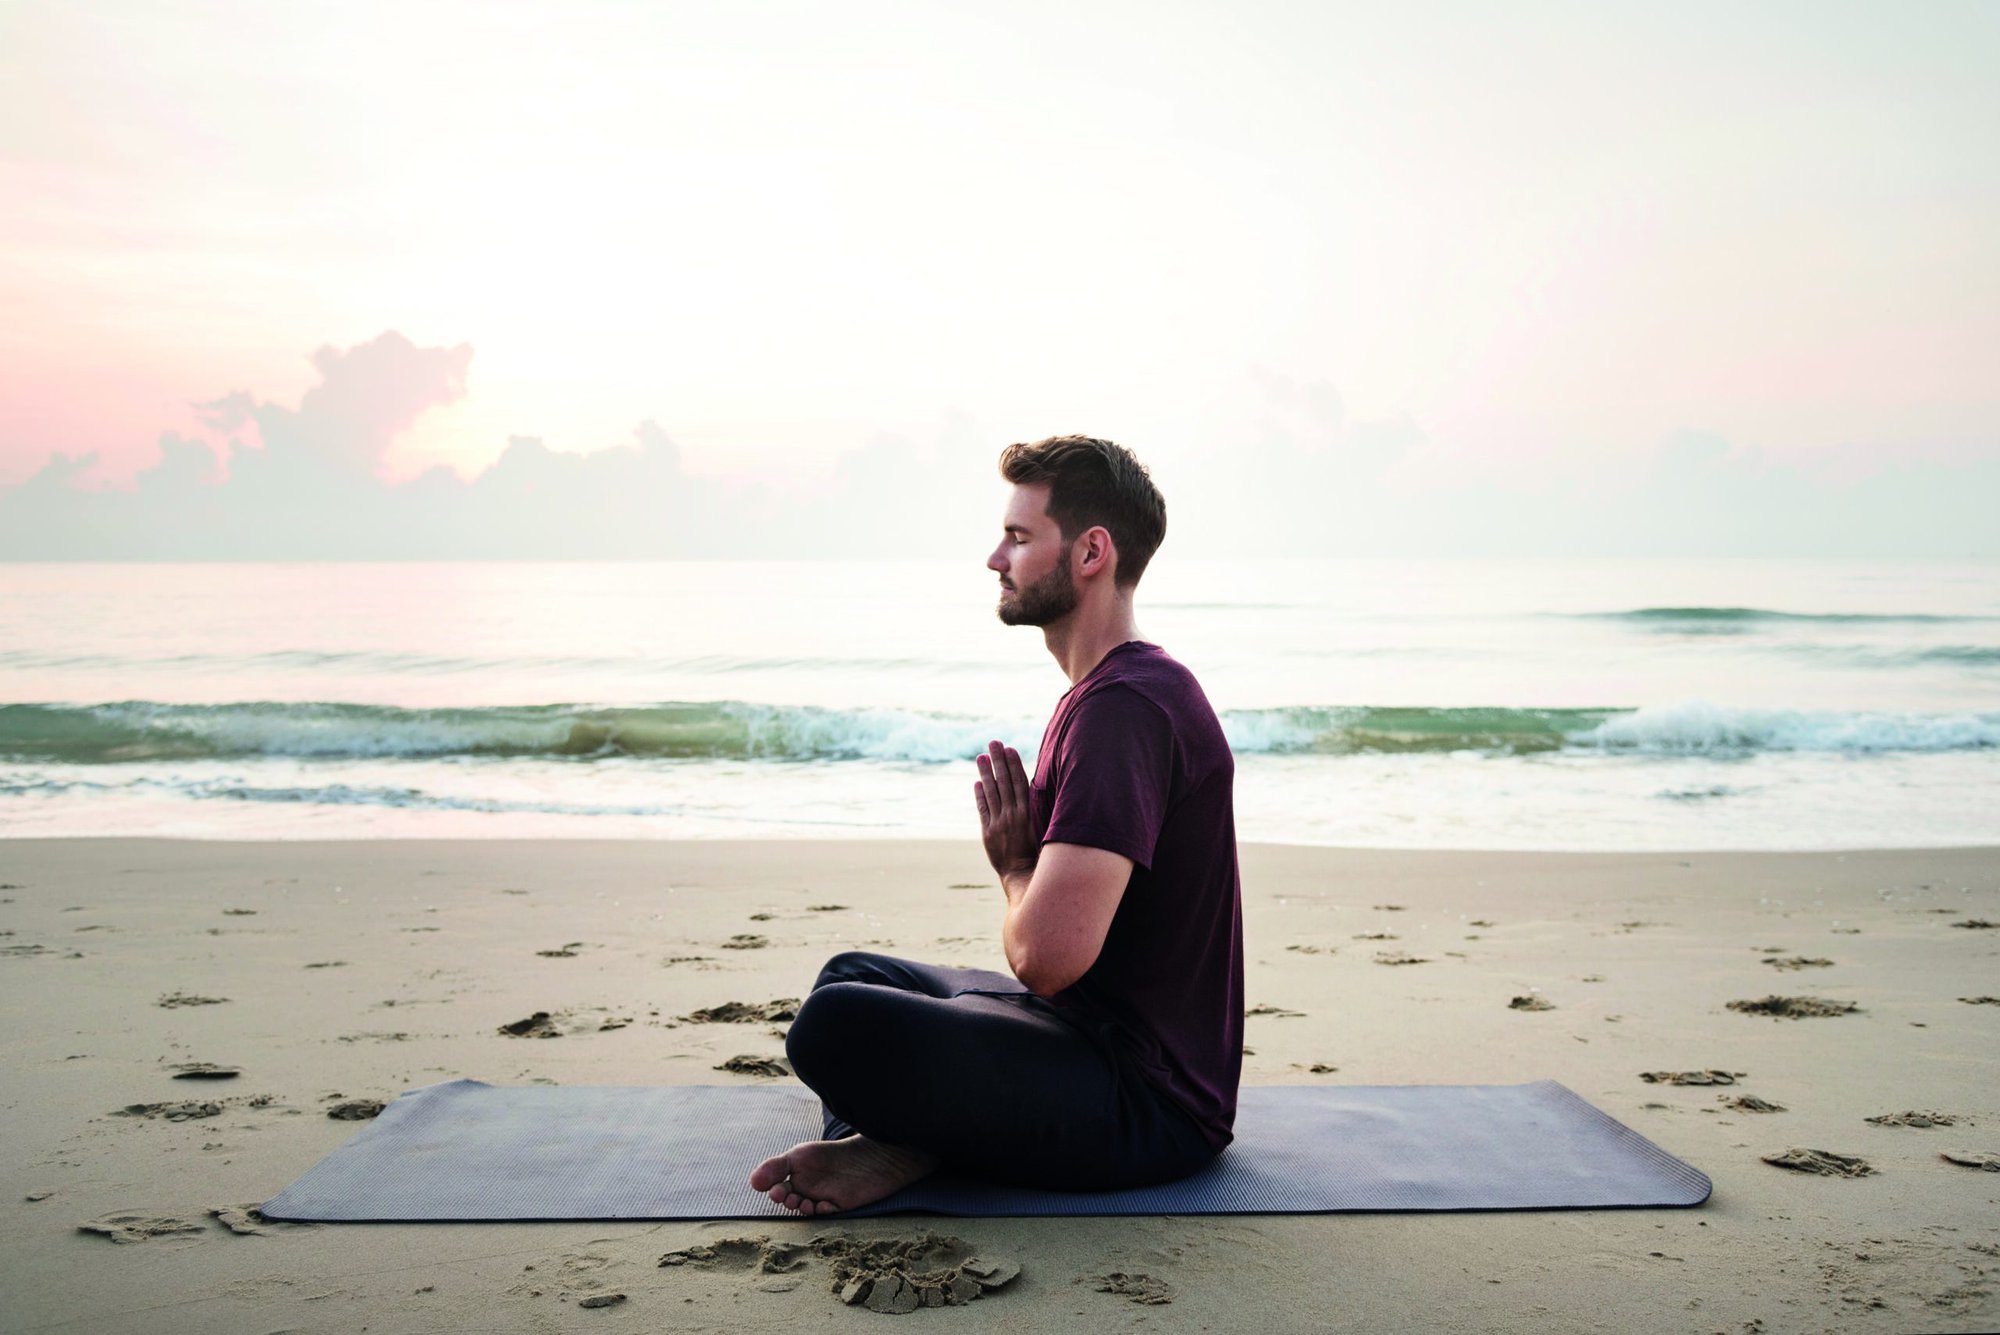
{"x": 999, "y": 1083}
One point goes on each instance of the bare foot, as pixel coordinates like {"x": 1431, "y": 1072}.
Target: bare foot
{"x": 821, "y": 1176}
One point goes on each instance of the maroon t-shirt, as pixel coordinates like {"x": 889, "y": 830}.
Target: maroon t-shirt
{"x": 1134, "y": 761}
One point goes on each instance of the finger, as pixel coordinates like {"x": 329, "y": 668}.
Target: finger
{"x": 1020, "y": 775}
{"x": 979, "y": 799}
{"x": 989, "y": 783}
{"x": 1003, "y": 780}
{"x": 1009, "y": 764}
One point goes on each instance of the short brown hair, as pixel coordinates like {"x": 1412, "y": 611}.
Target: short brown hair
{"x": 1094, "y": 482}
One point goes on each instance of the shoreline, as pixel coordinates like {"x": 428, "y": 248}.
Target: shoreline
{"x": 355, "y": 969}
{"x": 941, "y": 841}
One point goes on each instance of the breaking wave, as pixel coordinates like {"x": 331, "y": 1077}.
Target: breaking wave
{"x": 130, "y": 731}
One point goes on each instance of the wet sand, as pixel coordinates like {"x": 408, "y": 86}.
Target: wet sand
{"x": 190, "y": 1025}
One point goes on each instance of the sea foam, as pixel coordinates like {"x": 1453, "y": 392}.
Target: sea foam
{"x": 1698, "y": 727}
{"x": 131, "y": 731}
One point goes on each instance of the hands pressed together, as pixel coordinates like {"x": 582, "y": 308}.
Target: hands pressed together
{"x": 1003, "y": 796}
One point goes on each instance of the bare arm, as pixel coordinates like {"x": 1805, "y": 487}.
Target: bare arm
{"x": 1056, "y": 925}
{"x": 1060, "y": 897}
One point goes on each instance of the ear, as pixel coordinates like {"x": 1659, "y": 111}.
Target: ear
{"x": 1094, "y": 551}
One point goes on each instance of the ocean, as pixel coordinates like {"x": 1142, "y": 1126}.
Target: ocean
{"x": 1518, "y": 704}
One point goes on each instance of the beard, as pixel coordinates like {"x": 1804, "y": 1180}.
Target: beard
{"x": 1048, "y": 599}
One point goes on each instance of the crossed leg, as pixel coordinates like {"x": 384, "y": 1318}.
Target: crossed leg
{"x": 921, "y": 1066}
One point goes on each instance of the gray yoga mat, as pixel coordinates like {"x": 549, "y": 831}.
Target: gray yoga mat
{"x": 471, "y": 1151}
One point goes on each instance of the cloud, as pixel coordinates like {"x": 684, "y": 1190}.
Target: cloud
{"x": 308, "y": 484}
{"x": 1284, "y": 471}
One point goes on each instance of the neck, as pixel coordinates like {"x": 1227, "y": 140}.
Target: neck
{"x": 1079, "y": 641}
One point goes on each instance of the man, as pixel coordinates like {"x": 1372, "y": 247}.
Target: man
{"x": 1111, "y": 1057}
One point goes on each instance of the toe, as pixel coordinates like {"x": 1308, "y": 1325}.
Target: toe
{"x": 770, "y": 1173}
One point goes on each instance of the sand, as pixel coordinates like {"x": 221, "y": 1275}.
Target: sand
{"x": 191, "y": 1025}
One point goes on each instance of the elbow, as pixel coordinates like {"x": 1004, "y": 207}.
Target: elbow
{"x": 1046, "y": 959}
{"x": 1045, "y": 977}
{"x": 1043, "y": 987}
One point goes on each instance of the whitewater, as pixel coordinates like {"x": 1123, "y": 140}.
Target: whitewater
{"x": 1496, "y": 704}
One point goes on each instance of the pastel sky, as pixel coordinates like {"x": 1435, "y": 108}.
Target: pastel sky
{"x": 1351, "y": 276}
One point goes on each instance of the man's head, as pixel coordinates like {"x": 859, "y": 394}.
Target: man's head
{"x": 1091, "y": 485}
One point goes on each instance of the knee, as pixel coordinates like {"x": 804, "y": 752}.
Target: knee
{"x": 821, "y": 1038}
{"x": 849, "y": 966}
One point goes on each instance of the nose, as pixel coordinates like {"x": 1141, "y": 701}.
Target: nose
{"x": 997, "y": 561}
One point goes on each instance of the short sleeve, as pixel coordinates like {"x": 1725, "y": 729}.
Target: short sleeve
{"x": 1114, "y": 773}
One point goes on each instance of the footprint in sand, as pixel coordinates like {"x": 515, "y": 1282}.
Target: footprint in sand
{"x": 356, "y": 1110}
{"x": 1981, "y": 1001}
{"x": 249, "y": 1220}
{"x": 759, "y": 1253}
{"x": 1750, "y": 1103}
{"x": 28, "y": 949}
{"x": 127, "y": 1228}
{"x": 1142, "y": 1289}
{"x": 1823, "y": 1162}
{"x": 1794, "y": 1008}
{"x": 748, "y": 1064}
{"x": 893, "y": 1275}
{"x": 1710, "y": 1077}
{"x": 745, "y": 941}
{"x": 174, "y": 1000}
{"x": 581, "y": 1273}
{"x": 1794, "y": 962}
{"x": 775, "y": 1263}
{"x": 1278, "y": 1011}
{"x": 1973, "y": 1159}
{"x": 566, "y": 951}
{"x": 204, "y": 1071}
{"x": 538, "y": 1025}
{"x": 1531, "y": 1003}
{"x": 740, "y": 1012}
{"x": 1398, "y": 957}
{"x": 1977, "y": 925}
{"x": 900, "y": 1275}
{"x": 1920, "y": 1120}
{"x": 187, "y": 1111}
{"x": 542, "y": 1024}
